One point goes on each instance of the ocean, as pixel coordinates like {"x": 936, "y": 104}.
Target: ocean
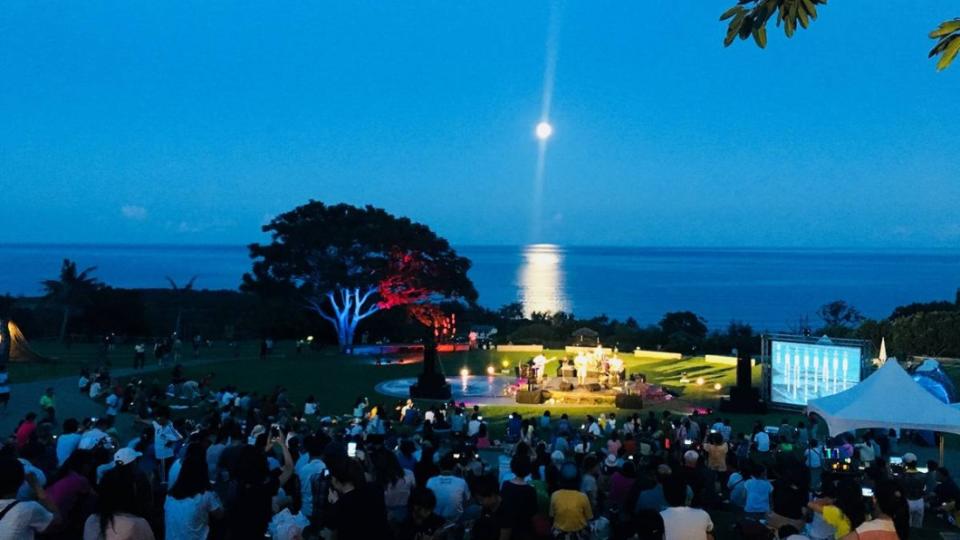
{"x": 771, "y": 289}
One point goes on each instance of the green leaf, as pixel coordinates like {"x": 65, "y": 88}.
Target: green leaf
{"x": 804, "y": 21}
{"x": 730, "y": 12}
{"x": 946, "y": 28}
{"x": 760, "y": 36}
{"x": 811, "y": 8}
{"x": 949, "y": 53}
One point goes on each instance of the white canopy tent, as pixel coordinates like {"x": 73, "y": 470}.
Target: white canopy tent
{"x": 889, "y": 398}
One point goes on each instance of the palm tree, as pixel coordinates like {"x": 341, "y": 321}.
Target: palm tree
{"x": 179, "y": 291}
{"x": 72, "y": 291}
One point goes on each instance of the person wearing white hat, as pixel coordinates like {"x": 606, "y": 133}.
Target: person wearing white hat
{"x": 123, "y": 456}
{"x": 914, "y": 489}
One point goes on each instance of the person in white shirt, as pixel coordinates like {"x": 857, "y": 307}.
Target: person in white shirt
{"x": 680, "y": 522}
{"x": 309, "y": 473}
{"x": 95, "y": 389}
{"x": 451, "y": 491}
{"x": 23, "y": 519}
{"x": 68, "y": 441}
{"x": 190, "y": 503}
{"x": 96, "y": 436}
{"x": 473, "y": 426}
{"x": 310, "y": 406}
{"x": 165, "y": 437}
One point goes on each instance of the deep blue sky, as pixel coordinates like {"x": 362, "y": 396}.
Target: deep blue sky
{"x": 197, "y": 121}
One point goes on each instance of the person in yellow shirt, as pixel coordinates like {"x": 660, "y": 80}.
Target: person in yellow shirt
{"x": 569, "y": 507}
{"x": 844, "y": 511}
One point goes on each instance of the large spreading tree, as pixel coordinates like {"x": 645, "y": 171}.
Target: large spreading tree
{"x": 347, "y": 263}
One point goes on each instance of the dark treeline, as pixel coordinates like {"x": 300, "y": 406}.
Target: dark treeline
{"x": 916, "y": 329}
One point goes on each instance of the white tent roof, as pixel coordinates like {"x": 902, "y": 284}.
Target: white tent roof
{"x": 889, "y": 398}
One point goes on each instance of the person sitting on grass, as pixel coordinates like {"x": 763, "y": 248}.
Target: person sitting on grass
{"x": 680, "y": 522}
{"x": 422, "y": 522}
{"x": 569, "y": 507}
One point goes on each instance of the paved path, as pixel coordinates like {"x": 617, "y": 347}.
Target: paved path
{"x": 71, "y": 403}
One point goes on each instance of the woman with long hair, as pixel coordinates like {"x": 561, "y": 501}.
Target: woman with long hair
{"x": 190, "y": 502}
{"x": 891, "y": 515}
{"x": 396, "y": 482}
{"x": 117, "y": 506}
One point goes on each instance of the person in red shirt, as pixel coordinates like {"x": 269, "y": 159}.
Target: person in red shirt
{"x": 26, "y": 429}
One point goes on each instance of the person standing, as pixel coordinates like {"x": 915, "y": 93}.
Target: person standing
{"x": 914, "y": 485}
{"x": 4, "y": 387}
{"x": 139, "y": 355}
{"x": 48, "y": 404}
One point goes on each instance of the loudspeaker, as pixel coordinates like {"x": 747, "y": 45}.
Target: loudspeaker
{"x": 744, "y": 400}
{"x": 566, "y": 387}
{"x": 628, "y": 401}
{"x": 744, "y": 372}
{"x": 530, "y": 397}
{"x": 594, "y": 387}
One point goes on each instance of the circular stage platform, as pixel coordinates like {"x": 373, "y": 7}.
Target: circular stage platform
{"x": 474, "y": 388}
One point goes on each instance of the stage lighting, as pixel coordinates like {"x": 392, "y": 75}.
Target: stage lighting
{"x": 464, "y": 372}
{"x": 717, "y": 386}
{"x": 701, "y": 381}
{"x": 491, "y": 370}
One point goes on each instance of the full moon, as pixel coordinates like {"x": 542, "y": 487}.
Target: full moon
{"x": 544, "y": 130}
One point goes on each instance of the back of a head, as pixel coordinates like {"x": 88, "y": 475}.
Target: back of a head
{"x": 347, "y": 470}
{"x": 487, "y": 487}
{"x": 448, "y": 462}
{"x": 194, "y": 476}
{"x": 675, "y": 491}
{"x": 520, "y": 466}
{"x": 11, "y": 475}
{"x": 70, "y": 425}
{"x": 116, "y": 494}
{"x": 569, "y": 476}
{"x": 422, "y": 497}
{"x": 849, "y": 499}
{"x": 891, "y": 501}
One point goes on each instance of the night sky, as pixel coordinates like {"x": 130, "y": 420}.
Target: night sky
{"x": 195, "y": 122}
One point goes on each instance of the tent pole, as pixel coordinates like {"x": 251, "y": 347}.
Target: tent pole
{"x": 942, "y": 464}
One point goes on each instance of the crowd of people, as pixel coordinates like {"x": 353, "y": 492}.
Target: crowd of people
{"x": 247, "y": 465}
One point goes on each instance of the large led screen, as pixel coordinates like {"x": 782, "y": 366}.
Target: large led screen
{"x": 800, "y": 372}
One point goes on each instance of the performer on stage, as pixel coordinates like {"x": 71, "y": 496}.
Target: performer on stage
{"x": 581, "y": 365}
{"x": 616, "y": 370}
{"x": 539, "y": 366}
